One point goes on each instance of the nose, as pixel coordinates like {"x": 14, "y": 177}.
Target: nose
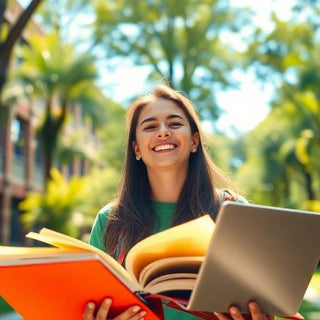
{"x": 163, "y": 132}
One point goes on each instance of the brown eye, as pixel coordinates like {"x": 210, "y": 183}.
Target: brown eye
{"x": 175, "y": 124}
{"x": 149, "y": 127}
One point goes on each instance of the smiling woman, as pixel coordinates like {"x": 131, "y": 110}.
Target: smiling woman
{"x": 164, "y": 141}
{"x": 168, "y": 179}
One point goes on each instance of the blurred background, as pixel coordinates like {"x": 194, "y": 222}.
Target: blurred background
{"x": 69, "y": 69}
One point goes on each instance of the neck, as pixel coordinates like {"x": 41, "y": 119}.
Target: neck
{"x": 166, "y": 185}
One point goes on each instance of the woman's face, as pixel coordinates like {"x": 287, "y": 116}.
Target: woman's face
{"x": 163, "y": 136}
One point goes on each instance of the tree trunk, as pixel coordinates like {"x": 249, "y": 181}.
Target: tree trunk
{"x": 13, "y": 35}
{"x": 310, "y": 192}
{"x": 49, "y": 135}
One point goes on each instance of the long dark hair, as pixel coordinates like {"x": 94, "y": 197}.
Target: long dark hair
{"x": 133, "y": 217}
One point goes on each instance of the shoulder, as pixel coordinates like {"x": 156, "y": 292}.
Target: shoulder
{"x": 105, "y": 211}
{"x": 96, "y": 235}
{"x": 227, "y": 195}
{"x": 103, "y": 215}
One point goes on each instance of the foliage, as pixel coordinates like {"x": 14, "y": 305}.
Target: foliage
{"x": 10, "y": 34}
{"x": 58, "y": 208}
{"x": 51, "y": 67}
{"x": 69, "y": 206}
{"x": 102, "y": 187}
{"x": 70, "y": 19}
{"x": 61, "y": 78}
{"x": 112, "y": 136}
{"x": 283, "y": 152}
{"x": 179, "y": 40}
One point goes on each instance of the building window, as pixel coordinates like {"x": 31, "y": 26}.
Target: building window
{"x": 19, "y": 160}
{"x": 17, "y": 136}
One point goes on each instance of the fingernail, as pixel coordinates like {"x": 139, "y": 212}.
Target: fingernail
{"x": 91, "y": 305}
{"x": 135, "y": 309}
{"x": 252, "y": 305}
{"x": 143, "y": 313}
{"x": 233, "y": 311}
{"x": 108, "y": 301}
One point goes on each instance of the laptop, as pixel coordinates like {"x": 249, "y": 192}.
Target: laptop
{"x": 260, "y": 253}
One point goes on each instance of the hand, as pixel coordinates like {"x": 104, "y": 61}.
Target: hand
{"x": 132, "y": 313}
{"x": 236, "y": 314}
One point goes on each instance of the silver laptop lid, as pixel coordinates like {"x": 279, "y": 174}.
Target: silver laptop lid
{"x": 258, "y": 253}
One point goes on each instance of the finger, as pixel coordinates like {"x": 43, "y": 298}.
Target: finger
{"x": 220, "y": 316}
{"x": 256, "y": 313}
{"x": 89, "y": 311}
{"x": 236, "y": 314}
{"x": 104, "y": 309}
{"x": 132, "y": 313}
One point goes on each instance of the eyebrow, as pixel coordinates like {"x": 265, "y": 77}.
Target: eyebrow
{"x": 171, "y": 116}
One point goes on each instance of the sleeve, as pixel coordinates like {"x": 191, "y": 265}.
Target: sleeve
{"x": 96, "y": 235}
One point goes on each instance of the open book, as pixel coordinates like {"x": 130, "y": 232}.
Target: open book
{"x": 183, "y": 267}
{"x": 74, "y": 272}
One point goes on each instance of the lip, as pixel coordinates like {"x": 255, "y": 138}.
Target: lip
{"x": 164, "y": 147}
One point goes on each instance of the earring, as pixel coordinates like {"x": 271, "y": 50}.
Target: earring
{"x": 194, "y": 150}
{"x": 138, "y": 157}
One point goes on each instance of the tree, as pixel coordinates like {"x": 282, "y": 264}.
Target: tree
{"x": 12, "y": 35}
{"x": 180, "y": 40}
{"x": 287, "y": 57}
{"x": 60, "y": 78}
{"x": 281, "y": 166}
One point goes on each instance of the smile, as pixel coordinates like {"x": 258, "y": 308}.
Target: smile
{"x": 164, "y": 147}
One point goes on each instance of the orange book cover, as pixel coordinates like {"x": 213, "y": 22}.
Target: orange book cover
{"x": 50, "y": 290}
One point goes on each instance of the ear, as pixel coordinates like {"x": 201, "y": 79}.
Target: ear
{"x": 136, "y": 150}
{"x": 195, "y": 142}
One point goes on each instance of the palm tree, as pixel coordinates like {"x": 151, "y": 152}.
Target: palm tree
{"x": 60, "y": 78}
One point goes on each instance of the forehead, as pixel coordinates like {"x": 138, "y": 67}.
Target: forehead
{"x": 161, "y": 108}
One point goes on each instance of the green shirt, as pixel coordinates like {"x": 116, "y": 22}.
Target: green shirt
{"x": 165, "y": 212}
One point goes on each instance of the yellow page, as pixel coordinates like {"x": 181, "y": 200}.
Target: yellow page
{"x": 8, "y": 251}
{"x": 188, "y": 239}
{"x": 65, "y": 242}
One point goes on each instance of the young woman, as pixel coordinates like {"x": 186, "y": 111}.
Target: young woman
{"x": 168, "y": 179}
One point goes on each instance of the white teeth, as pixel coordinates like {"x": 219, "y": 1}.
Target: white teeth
{"x": 164, "y": 147}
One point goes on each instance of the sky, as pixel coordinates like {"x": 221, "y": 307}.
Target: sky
{"x": 243, "y": 108}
